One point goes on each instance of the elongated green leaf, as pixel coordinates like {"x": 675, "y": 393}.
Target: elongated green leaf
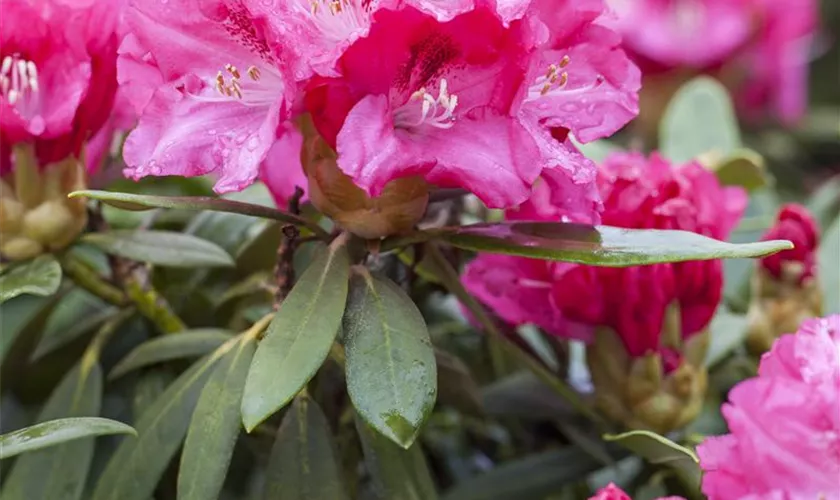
{"x": 600, "y": 245}
{"x": 727, "y": 332}
{"x": 829, "y": 268}
{"x": 165, "y": 248}
{"x": 743, "y": 168}
{"x": 60, "y": 471}
{"x": 127, "y": 201}
{"x": 661, "y": 451}
{"x": 56, "y": 432}
{"x": 185, "y": 344}
{"x": 20, "y": 316}
{"x": 215, "y": 426}
{"x": 456, "y": 385}
{"x": 299, "y": 338}
{"x": 135, "y": 469}
{"x": 699, "y": 119}
{"x": 391, "y": 371}
{"x": 77, "y": 314}
{"x": 531, "y": 478}
{"x": 397, "y": 472}
{"x": 40, "y": 276}
{"x": 303, "y": 464}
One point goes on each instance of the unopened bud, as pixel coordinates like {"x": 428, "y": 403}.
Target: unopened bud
{"x": 35, "y": 214}
{"x": 397, "y": 210}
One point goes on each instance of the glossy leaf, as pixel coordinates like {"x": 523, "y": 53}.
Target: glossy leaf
{"x": 215, "y": 426}
{"x": 55, "y": 432}
{"x": 396, "y": 472}
{"x": 61, "y": 471}
{"x": 391, "y": 371}
{"x": 698, "y": 120}
{"x": 743, "y": 168}
{"x": 136, "y": 467}
{"x": 39, "y": 276}
{"x": 77, "y": 314}
{"x": 164, "y": 248}
{"x": 127, "y": 201}
{"x": 456, "y": 385}
{"x": 186, "y": 344}
{"x": 299, "y": 338}
{"x": 20, "y": 316}
{"x": 600, "y": 245}
{"x": 530, "y": 478}
{"x": 661, "y": 451}
{"x": 303, "y": 463}
{"x": 523, "y": 395}
{"x": 829, "y": 268}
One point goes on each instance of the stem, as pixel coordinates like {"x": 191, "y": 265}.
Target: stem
{"x": 84, "y": 276}
{"x": 450, "y": 279}
{"x": 152, "y": 305}
{"x": 259, "y": 327}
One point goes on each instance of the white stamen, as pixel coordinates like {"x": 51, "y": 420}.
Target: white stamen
{"x": 340, "y": 20}
{"x": 18, "y": 80}
{"x": 555, "y": 80}
{"x": 438, "y": 113}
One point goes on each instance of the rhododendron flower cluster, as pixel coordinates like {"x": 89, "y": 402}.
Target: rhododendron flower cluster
{"x": 785, "y": 424}
{"x": 760, "y": 47}
{"x": 473, "y": 94}
{"x": 646, "y": 352}
{"x": 785, "y": 288}
{"x": 613, "y": 492}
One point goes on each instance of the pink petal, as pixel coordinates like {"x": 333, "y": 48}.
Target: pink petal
{"x": 281, "y": 171}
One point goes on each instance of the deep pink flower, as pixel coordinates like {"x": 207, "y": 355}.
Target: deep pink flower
{"x": 613, "y": 492}
{"x": 477, "y": 96}
{"x": 282, "y": 171}
{"x": 766, "y": 41}
{"x": 795, "y": 223}
{"x": 784, "y": 440}
{"x": 637, "y": 192}
{"x": 57, "y": 73}
{"x": 209, "y": 82}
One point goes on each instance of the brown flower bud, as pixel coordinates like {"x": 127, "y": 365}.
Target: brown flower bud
{"x": 400, "y": 206}
{"x": 35, "y": 213}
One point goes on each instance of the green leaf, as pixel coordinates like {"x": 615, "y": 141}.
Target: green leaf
{"x": 456, "y": 385}
{"x": 743, "y": 168}
{"x": 534, "y": 477}
{"x": 829, "y": 268}
{"x": 523, "y": 395}
{"x": 39, "y": 276}
{"x": 215, "y": 426}
{"x": 55, "y": 432}
{"x": 186, "y": 344}
{"x": 21, "y": 316}
{"x": 391, "y": 371}
{"x": 60, "y": 471}
{"x": 77, "y": 314}
{"x": 165, "y": 248}
{"x": 396, "y": 472}
{"x": 299, "y": 338}
{"x": 128, "y": 201}
{"x": 659, "y": 450}
{"x": 303, "y": 464}
{"x": 699, "y": 119}
{"x": 727, "y": 331}
{"x": 600, "y": 245}
{"x": 824, "y": 204}
{"x": 136, "y": 467}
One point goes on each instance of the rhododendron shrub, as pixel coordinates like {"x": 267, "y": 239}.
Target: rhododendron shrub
{"x": 784, "y": 424}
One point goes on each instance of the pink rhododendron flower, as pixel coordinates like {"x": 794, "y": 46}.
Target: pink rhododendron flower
{"x": 613, "y": 492}
{"x": 785, "y": 423}
{"x": 282, "y": 171}
{"x": 766, "y": 41}
{"x": 795, "y": 223}
{"x": 475, "y": 96}
{"x": 208, "y": 81}
{"x": 57, "y": 74}
{"x": 637, "y": 192}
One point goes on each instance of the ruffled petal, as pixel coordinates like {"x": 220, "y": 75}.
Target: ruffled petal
{"x": 281, "y": 171}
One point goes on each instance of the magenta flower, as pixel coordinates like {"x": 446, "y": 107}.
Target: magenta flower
{"x": 208, "y": 81}
{"x": 613, "y": 492}
{"x": 282, "y": 171}
{"x": 785, "y": 424}
{"x": 477, "y": 97}
{"x": 795, "y": 223}
{"x": 766, "y": 41}
{"x": 637, "y": 192}
{"x": 57, "y": 74}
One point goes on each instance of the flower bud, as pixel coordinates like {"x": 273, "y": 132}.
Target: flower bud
{"x": 35, "y": 214}
{"x": 661, "y": 390}
{"x": 785, "y": 288}
{"x": 400, "y": 206}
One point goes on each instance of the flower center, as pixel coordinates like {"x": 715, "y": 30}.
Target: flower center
{"x": 18, "y": 80}
{"x": 339, "y": 19}
{"x": 433, "y": 112}
{"x": 253, "y": 88}
{"x": 555, "y": 80}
